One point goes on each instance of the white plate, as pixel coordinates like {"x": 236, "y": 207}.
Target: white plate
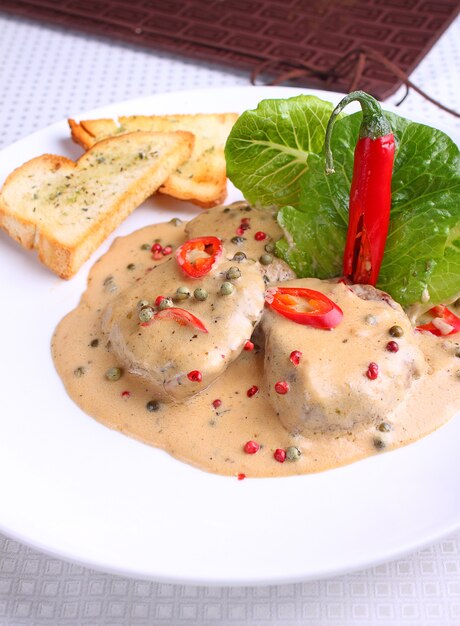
{"x": 74, "y": 488}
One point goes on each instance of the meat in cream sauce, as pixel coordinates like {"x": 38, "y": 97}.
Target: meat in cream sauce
{"x": 134, "y": 376}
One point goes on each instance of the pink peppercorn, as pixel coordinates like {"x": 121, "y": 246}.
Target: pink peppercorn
{"x": 260, "y": 235}
{"x": 195, "y": 376}
{"x": 156, "y": 247}
{"x": 392, "y": 346}
{"x": 241, "y": 476}
{"x": 240, "y": 231}
{"x": 217, "y": 403}
{"x": 295, "y": 357}
{"x": 251, "y": 447}
{"x": 158, "y": 300}
{"x": 167, "y": 250}
{"x": 282, "y": 387}
{"x": 248, "y": 346}
{"x": 372, "y": 371}
{"x": 280, "y": 455}
{"x": 125, "y": 394}
{"x": 245, "y": 220}
{"x": 157, "y": 255}
{"x": 252, "y": 391}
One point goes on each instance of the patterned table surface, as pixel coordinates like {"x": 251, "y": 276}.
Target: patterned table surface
{"x": 45, "y": 75}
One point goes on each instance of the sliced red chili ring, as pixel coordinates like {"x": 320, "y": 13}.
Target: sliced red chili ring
{"x": 197, "y": 256}
{"x": 441, "y": 312}
{"x": 305, "y": 306}
{"x": 182, "y": 317}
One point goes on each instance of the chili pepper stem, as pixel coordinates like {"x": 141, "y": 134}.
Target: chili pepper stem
{"x": 374, "y": 124}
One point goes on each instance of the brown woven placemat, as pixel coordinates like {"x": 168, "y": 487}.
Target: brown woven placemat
{"x": 276, "y": 35}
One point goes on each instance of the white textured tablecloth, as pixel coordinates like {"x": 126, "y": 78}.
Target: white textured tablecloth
{"x": 47, "y": 74}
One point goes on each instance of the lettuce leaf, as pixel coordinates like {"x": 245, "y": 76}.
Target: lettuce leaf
{"x": 422, "y": 253}
{"x": 267, "y": 149}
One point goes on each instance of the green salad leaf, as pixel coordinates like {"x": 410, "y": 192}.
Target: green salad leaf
{"x": 422, "y": 254}
{"x": 268, "y": 148}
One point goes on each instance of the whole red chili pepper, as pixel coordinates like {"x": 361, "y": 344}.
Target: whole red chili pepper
{"x": 370, "y": 194}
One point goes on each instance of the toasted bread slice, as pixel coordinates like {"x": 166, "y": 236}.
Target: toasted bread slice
{"x": 65, "y": 209}
{"x": 203, "y": 179}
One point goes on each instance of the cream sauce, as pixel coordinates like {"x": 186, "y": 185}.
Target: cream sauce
{"x": 213, "y": 438}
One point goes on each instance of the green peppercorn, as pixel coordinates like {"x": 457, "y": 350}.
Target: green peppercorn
{"x": 457, "y": 352}
{"x": 233, "y": 273}
{"x": 266, "y": 259}
{"x": 131, "y": 267}
{"x": 182, "y": 293}
{"x": 146, "y": 314}
{"x": 79, "y": 372}
{"x": 238, "y": 240}
{"x": 146, "y": 246}
{"x": 152, "y": 405}
{"x": 176, "y": 221}
{"x": 114, "y": 373}
{"x": 200, "y": 294}
{"x": 226, "y": 289}
{"x": 396, "y": 331}
{"x": 269, "y": 247}
{"x": 293, "y": 453}
{"x": 384, "y": 427}
{"x": 239, "y": 256}
{"x": 379, "y": 444}
{"x": 94, "y": 343}
{"x": 166, "y": 303}
{"x": 141, "y": 304}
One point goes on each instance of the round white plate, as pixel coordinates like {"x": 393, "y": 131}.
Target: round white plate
{"x": 74, "y": 488}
